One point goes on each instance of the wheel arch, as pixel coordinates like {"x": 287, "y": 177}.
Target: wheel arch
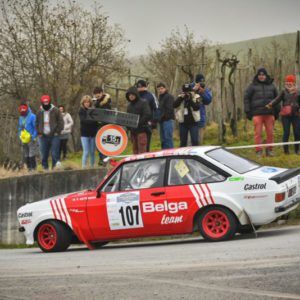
{"x": 51, "y": 219}
{"x": 204, "y": 208}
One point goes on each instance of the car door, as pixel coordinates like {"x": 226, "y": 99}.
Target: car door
{"x": 132, "y": 202}
{"x": 188, "y": 189}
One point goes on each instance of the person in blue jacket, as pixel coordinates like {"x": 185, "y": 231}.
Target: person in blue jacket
{"x": 27, "y": 135}
{"x": 206, "y": 98}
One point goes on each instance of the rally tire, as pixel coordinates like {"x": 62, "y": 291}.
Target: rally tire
{"x": 53, "y": 236}
{"x": 217, "y": 224}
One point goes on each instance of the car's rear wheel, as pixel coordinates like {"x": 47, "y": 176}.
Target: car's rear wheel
{"x": 53, "y": 236}
{"x": 217, "y": 224}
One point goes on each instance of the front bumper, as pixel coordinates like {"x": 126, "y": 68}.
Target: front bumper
{"x": 287, "y": 206}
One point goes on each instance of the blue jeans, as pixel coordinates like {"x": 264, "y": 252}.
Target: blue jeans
{"x": 286, "y": 123}
{"x": 48, "y": 143}
{"x": 88, "y": 146}
{"x": 183, "y": 132}
{"x": 166, "y": 134}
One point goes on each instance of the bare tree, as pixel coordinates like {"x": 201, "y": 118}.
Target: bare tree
{"x": 61, "y": 50}
{"x": 179, "y": 52}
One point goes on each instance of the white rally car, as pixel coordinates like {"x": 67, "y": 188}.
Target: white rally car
{"x": 206, "y": 189}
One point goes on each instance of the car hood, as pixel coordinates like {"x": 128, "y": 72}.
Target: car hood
{"x": 39, "y": 204}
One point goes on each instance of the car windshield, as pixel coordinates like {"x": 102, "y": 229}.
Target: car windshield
{"x": 233, "y": 161}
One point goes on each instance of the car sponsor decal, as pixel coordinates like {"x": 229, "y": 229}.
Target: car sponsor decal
{"x": 269, "y": 170}
{"x": 256, "y": 186}
{"x": 124, "y": 211}
{"x": 60, "y": 211}
{"x": 255, "y": 196}
{"x": 25, "y": 215}
{"x": 202, "y": 194}
{"x": 236, "y": 178}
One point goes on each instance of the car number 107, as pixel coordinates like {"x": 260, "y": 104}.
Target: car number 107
{"x": 130, "y": 215}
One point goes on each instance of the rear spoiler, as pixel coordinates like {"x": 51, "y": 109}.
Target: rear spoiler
{"x": 281, "y": 177}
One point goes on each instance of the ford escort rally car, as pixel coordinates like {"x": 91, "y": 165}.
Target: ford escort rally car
{"x": 206, "y": 189}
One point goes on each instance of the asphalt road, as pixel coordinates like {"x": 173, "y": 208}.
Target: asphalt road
{"x": 267, "y": 267}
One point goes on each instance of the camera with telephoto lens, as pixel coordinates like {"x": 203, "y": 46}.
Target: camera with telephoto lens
{"x": 202, "y": 84}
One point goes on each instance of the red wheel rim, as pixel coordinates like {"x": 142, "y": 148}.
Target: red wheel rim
{"x": 215, "y": 224}
{"x": 47, "y": 236}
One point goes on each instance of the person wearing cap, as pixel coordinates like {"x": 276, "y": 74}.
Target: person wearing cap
{"x": 49, "y": 125}
{"x": 140, "y": 107}
{"x": 257, "y": 95}
{"x": 167, "y": 116}
{"x": 289, "y": 98}
{"x": 187, "y": 113}
{"x": 153, "y": 104}
{"x": 101, "y": 100}
{"x": 27, "y": 134}
{"x": 206, "y": 98}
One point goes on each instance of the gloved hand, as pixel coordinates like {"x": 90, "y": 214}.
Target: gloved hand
{"x": 249, "y": 115}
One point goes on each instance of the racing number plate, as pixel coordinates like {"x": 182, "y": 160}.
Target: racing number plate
{"x": 124, "y": 211}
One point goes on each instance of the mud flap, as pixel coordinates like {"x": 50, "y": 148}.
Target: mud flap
{"x": 250, "y": 221}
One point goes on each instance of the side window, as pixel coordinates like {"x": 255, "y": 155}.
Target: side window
{"x": 190, "y": 171}
{"x": 143, "y": 174}
{"x": 112, "y": 185}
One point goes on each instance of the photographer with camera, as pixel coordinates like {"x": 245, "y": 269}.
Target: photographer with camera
{"x": 101, "y": 100}
{"x": 206, "y": 97}
{"x": 187, "y": 114}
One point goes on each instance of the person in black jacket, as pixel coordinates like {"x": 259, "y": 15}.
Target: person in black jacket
{"x": 103, "y": 101}
{"x": 187, "y": 107}
{"x": 139, "y": 107}
{"x": 166, "y": 103}
{"x": 258, "y": 94}
{"x": 141, "y": 86}
{"x": 88, "y": 131}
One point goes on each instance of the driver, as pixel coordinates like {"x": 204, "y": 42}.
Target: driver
{"x": 152, "y": 176}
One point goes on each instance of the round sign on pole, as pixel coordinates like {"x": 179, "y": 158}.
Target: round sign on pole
{"x": 111, "y": 140}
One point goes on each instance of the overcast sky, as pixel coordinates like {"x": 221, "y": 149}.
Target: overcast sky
{"x": 147, "y": 23}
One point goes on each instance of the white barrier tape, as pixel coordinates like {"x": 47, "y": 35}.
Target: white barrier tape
{"x": 263, "y": 145}
{"x": 233, "y": 147}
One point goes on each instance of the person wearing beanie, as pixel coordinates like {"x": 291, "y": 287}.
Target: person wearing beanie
{"x": 167, "y": 116}
{"x": 257, "y": 95}
{"x": 49, "y": 125}
{"x": 206, "y": 97}
{"x": 290, "y": 111}
{"x": 140, "y": 107}
{"x": 27, "y": 135}
{"x": 153, "y": 104}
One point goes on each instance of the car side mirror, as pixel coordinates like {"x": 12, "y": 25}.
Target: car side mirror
{"x": 98, "y": 193}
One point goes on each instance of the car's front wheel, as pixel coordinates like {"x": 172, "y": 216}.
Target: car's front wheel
{"x": 217, "y": 224}
{"x": 53, "y": 236}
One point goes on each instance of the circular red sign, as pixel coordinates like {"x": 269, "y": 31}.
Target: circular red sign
{"x": 111, "y": 140}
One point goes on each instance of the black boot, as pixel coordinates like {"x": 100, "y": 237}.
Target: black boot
{"x": 27, "y": 163}
{"x": 32, "y": 163}
{"x": 286, "y": 149}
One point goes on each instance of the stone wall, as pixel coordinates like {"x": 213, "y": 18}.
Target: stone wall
{"x": 17, "y": 191}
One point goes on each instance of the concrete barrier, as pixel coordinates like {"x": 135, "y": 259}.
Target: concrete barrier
{"x": 16, "y": 191}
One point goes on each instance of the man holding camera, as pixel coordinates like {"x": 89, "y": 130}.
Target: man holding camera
{"x": 206, "y": 98}
{"x": 101, "y": 100}
{"x": 187, "y": 114}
